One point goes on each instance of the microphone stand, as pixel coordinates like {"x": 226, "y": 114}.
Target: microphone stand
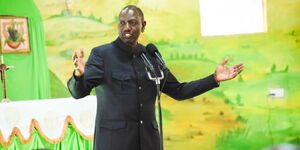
{"x": 157, "y": 82}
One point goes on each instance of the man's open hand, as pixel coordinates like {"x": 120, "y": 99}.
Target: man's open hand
{"x": 224, "y": 73}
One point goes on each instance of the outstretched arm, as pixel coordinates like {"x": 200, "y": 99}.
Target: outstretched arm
{"x": 186, "y": 90}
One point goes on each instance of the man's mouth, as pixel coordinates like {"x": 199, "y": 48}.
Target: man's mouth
{"x": 127, "y": 35}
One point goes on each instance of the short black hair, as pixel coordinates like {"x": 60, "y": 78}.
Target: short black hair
{"x": 134, "y": 8}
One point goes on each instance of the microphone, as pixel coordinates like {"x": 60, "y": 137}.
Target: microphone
{"x": 139, "y": 50}
{"x": 153, "y": 51}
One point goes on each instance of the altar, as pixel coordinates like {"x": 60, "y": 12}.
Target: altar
{"x": 51, "y": 118}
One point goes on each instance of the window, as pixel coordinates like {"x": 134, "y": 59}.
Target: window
{"x": 228, "y": 17}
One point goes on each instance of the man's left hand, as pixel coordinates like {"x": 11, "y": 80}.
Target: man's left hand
{"x": 224, "y": 73}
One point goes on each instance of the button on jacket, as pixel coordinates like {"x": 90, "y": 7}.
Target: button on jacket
{"x": 126, "y": 97}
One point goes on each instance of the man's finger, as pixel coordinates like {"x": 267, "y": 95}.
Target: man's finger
{"x": 75, "y": 61}
{"x": 240, "y": 67}
{"x": 81, "y": 49}
{"x": 74, "y": 55}
{"x": 239, "y": 71}
{"x": 225, "y": 61}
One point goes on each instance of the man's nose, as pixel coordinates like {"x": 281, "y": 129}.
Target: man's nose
{"x": 127, "y": 27}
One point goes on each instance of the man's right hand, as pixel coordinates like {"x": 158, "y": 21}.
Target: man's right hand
{"x": 78, "y": 61}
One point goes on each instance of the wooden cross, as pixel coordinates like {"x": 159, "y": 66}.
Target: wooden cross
{"x": 4, "y": 68}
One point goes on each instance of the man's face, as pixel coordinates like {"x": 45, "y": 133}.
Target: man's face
{"x": 130, "y": 26}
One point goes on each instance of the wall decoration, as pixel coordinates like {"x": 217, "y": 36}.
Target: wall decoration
{"x": 14, "y": 35}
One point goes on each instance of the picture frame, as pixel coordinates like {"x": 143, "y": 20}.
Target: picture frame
{"x": 14, "y": 35}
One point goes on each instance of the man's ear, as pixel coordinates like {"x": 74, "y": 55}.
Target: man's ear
{"x": 143, "y": 26}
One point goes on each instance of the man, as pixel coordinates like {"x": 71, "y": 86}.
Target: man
{"x": 125, "y": 96}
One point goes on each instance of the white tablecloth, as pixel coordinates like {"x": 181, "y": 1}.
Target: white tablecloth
{"x": 50, "y": 117}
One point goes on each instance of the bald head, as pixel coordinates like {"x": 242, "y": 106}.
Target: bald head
{"x": 134, "y": 8}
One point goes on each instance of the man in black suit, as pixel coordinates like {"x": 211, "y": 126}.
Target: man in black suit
{"x": 125, "y": 96}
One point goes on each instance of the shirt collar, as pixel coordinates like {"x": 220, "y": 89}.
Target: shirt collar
{"x": 125, "y": 48}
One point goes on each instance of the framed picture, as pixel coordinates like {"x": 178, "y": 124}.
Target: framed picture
{"x": 14, "y": 35}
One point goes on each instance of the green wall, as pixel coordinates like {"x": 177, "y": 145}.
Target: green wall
{"x": 233, "y": 116}
{"x": 29, "y": 78}
{"x": 237, "y": 115}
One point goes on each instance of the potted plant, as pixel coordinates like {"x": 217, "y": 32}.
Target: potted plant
{"x": 15, "y": 36}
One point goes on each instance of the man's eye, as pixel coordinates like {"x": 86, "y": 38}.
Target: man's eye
{"x": 122, "y": 23}
{"x": 133, "y": 23}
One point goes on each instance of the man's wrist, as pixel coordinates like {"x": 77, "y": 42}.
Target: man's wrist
{"x": 215, "y": 77}
{"x": 77, "y": 73}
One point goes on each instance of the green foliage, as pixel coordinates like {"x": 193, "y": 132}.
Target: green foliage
{"x": 73, "y": 35}
{"x": 67, "y": 54}
{"x": 186, "y": 56}
{"x": 238, "y": 100}
{"x": 115, "y": 21}
{"x": 246, "y": 139}
{"x": 286, "y": 69}
{"x": 191, "y": 100}
{"x": 93, "y": 92}
{"x": 62, "y": 37}
{"x": 166, "y": 114}
{"x": 79, "y": 13}
{"x": 240, "y": 139}
{"x": 65, "y": 13}
{"x": 292, "y": 33}
{"x": 100, "y": 19}
{"x": 162, "y": 42}
{"x": 195, "y": 56}
{"x": 92, "y": 16}
{"x": 14, "y": 34}
{"x": 240, "y": 78}
{"x": 132, "y": 2}
{"x": 51, "y": 42}
{"x": 183, "y": 56}
{"x": 54, "y": 16}
{"x": 279, "y": 126}
{"x": 190, "y": 56}
{"x": 171, "y": 56}
{"x": 227, "y": 101}
{"x": 273, "y": 68}
{"x": 295, "y": 140}
{"x": 239, "y": 118}
{"x": 245, "y": 46}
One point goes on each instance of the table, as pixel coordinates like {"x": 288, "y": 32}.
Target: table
{"x": 50, "y": 117}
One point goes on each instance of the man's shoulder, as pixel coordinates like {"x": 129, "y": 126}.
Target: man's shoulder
{"x": 103, "y": 48}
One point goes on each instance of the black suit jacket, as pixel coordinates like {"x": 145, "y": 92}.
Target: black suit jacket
{"x": 126, "y": 97}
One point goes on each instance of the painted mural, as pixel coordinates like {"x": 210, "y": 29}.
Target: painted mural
{"x": 240, "y": 114}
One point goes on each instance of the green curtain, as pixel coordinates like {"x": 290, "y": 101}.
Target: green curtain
{"x": 29, "y": 79}
{"x": 72, "y": 141}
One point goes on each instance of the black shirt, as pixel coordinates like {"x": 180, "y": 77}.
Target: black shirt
{"x": 126, "y": 97}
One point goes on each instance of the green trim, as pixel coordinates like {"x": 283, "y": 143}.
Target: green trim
{"x": 71, "y": 141}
